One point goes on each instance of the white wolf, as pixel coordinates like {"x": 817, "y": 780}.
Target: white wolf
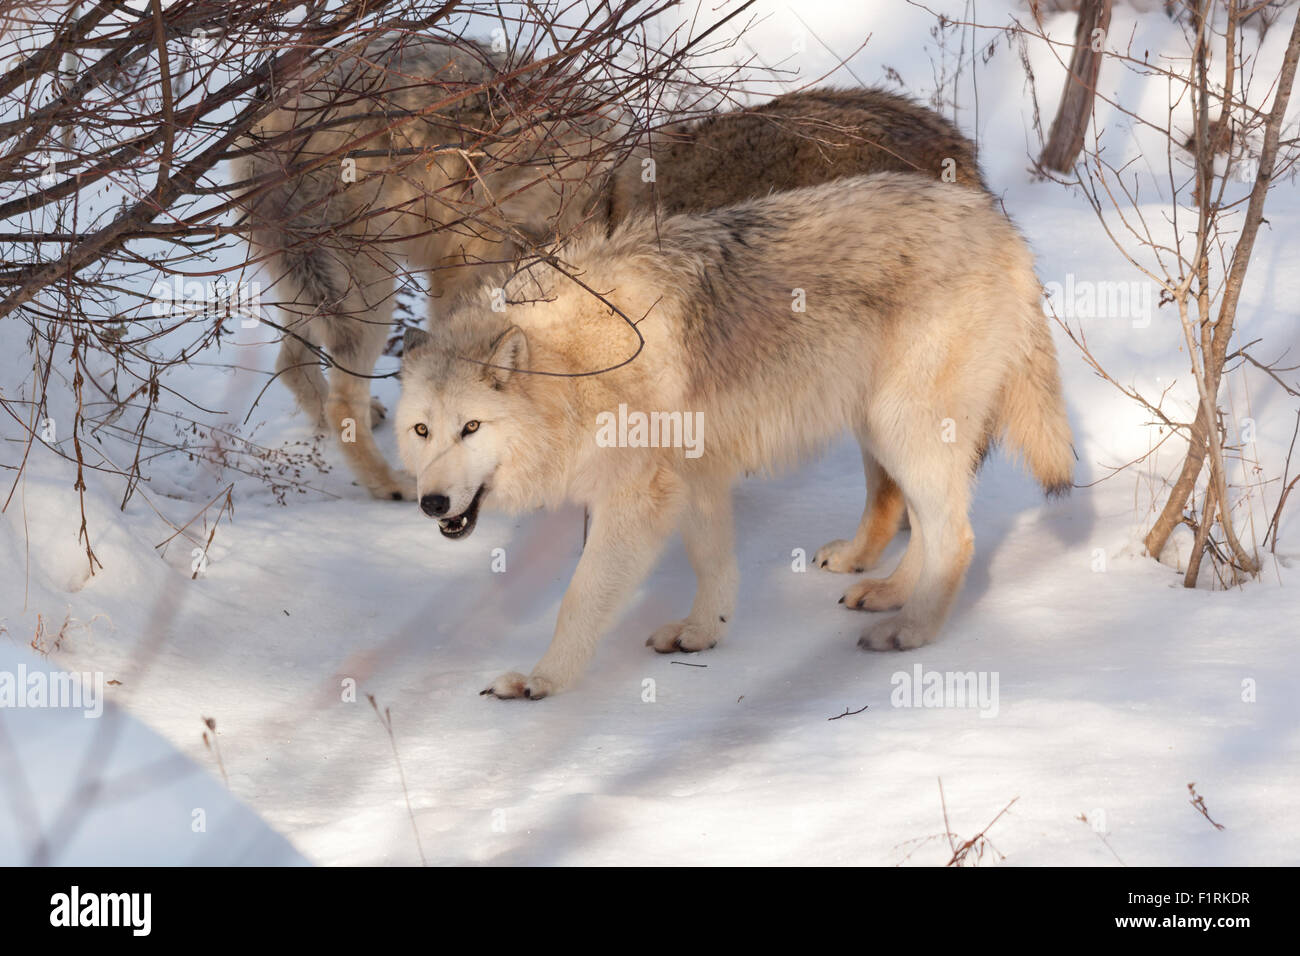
{"x": 921, "y": 333}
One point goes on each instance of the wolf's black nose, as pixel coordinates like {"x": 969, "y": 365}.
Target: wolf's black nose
{"x": 435, "y": 506}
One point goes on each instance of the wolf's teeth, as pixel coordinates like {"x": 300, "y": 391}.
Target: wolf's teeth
{"x": 463, "y": 521}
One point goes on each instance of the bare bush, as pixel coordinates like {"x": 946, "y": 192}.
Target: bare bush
{"x": 1219, "y": 166}
{"x": 120, "y": 247}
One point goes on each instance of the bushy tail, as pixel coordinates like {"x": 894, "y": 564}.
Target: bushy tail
{"x": 1033, "y": 412}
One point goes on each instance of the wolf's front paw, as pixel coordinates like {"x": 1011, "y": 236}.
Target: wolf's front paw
{"x": 895, "y": 634}
{"x": 841, "y": 557}
{"x": 378, "y": 411}
{"x": 514, "y": 684}
{"x": 689, "y": 636}
{"x": 399, "y": 486}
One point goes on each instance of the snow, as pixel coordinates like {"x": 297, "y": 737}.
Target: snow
{"x": 1116, "y": 686}
{"x": 93, "y": 786}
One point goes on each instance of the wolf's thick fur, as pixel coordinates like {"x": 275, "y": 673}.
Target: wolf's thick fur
{"x": 923, "y": 336}
{"x": 332, "y": 250}
{"x": 800, "y": 139}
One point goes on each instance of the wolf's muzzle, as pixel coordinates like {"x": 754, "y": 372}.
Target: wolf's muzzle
{"x": 435, "y": 506}
{"x": 458, "y": 526}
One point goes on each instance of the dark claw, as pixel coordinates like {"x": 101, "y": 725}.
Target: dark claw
{"x": 841, "y": 598}
{"x": 397, "y": 496}
{"x": 528, "y": 692}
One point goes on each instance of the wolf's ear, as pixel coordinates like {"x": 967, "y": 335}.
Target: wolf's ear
{"x": 509, "y": 352}
{"x": 413, "y": 339}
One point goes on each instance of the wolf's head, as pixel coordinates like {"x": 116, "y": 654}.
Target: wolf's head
{"x": 457, "y": 416}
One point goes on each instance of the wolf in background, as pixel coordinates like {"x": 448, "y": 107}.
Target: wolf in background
{"x": 333, "y": 243}
{"x": 460, "y": 190}
{"x": 923, "y": 336}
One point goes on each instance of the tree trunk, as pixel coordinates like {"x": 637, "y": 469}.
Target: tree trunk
{"x": 1065, "y": 141}
{"x": 1202, "y": 441}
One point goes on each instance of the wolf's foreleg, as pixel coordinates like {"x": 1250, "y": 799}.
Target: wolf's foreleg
{"x": 708, "y": 530}
{"x": 628, "y": 530}
{"x": 355, "y": 335}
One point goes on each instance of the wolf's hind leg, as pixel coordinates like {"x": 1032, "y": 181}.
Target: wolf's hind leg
{"x": 299, "y": 368}
{"x": 708, "y": 530}
{"x": 939, "y": 503}
{"x": 877, "y": 528}
{"x": 890, "y": 593}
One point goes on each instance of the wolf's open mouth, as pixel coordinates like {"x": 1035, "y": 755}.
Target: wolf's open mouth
{"x": 462, "y": 524}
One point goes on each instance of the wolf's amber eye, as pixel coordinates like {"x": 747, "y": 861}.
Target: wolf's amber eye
{"x": 469, "y": 429}
{"x": 422, "y": 430}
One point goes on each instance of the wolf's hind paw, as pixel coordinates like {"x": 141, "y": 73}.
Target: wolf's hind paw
{"x": 840, "y": 556}
{"x": 895, "y": 634}
{"x": 874, "y": 594}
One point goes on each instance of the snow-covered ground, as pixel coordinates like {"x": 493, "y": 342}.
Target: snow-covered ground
{"x": 86, "y": 783}
{"x": 1115, "y": 687}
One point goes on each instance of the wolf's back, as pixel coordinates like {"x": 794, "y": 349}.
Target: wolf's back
{"x": 342, "y": 97}
{"x": 907, "y": 280}
{"x": 795, "y": 140}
